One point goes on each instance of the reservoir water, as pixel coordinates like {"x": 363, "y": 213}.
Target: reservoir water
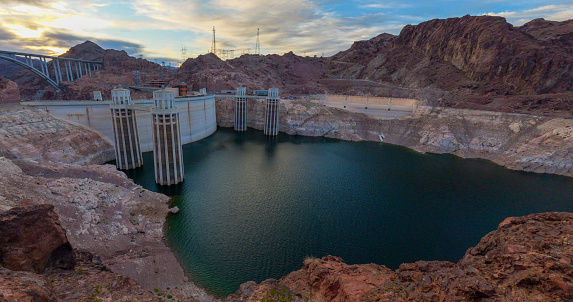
{"x": 253, "y": 208}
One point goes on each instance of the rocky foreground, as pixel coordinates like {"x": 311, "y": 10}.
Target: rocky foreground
{"x": 525, "y": 259}
{"x": 517, "y": 141}
{"x": 81, "y": 231}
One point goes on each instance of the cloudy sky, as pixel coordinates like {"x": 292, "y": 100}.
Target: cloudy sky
{"x": 161, "y": 28}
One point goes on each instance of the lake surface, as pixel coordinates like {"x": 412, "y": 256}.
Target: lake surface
{"x": 252, "y": 208}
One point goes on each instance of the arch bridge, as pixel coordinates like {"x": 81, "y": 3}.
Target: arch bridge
{"x": 39, "y": 64}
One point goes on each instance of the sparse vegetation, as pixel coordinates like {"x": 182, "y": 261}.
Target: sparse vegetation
{"x": 282, "y": 294}
{"x": 308, "y": 260}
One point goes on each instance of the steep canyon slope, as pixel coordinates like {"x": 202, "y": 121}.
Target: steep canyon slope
{"x": 480, "y": 62}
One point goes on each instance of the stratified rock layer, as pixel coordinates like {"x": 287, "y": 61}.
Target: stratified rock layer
{"x": 24, "y": 286}
{"x": 28, "y": 133}
{"x": 526, "y": 259}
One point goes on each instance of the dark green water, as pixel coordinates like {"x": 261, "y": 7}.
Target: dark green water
{"x": 253, "y": 208}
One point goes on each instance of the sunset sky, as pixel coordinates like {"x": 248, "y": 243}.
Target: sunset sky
{"x": 160, "y": 28}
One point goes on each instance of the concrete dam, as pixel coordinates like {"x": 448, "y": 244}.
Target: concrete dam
{"x": 163, "y": 125}
{"x": 197, "y": 117}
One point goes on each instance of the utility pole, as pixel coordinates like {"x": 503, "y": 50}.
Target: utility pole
{"x": 258, "y": 45}
{"x": 213, "y": 46}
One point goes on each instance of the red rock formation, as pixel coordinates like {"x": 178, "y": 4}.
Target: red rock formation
{"x": 551, "y": 32}
{"x": 526, "y": 259}
{"x": 290, "y": 73}
{"x": 489, "y": 49}
{"x": 85, "y": 51}
{"x": 476, "y": 62}
{"x": 32, "y": 239}
{"x": 9, "y": 92}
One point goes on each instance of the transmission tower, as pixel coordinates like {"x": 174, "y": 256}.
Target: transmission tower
{"x": 183, "y": 54}
{"x": 213, "y": 46}
{"x": 258, "y": 45}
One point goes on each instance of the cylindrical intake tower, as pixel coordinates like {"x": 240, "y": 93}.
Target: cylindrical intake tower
{"x": 127, "y": 149}
{"x": 272, "y": 113}
{"x": 167, "y": 153}
{"x": 241, "y": 109}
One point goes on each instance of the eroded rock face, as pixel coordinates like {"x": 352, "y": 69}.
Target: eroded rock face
{"x": 32, "y": 239}
{"x": 526, "y": 259}
{"x": 28, "y": 133}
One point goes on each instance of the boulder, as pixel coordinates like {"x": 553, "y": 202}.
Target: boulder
{"x": 9, "y": 92}
{"x": 32, "y": 239}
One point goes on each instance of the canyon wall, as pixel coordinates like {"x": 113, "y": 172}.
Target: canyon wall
{"x": 30, "y": 134}
{"x": 517, "y": 141}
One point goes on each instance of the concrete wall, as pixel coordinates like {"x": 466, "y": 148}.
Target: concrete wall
{"x": 197, "y": 117}
{"x": 394, "y": 103}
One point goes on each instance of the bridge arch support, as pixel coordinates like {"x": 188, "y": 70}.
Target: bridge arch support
{"x": 28, "y": 61}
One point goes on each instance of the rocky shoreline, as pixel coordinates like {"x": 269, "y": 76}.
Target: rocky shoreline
{"x": 516, "y": 141}
{"x": 526, "y": 259}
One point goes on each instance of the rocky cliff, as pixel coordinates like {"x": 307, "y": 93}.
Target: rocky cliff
{"x": 525, "y": 259}
{"x": 289, "y": 72}
{"x": 116, "y": 224}
{"x": 517, "y": 141}
{"x": 489, "y": 49}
